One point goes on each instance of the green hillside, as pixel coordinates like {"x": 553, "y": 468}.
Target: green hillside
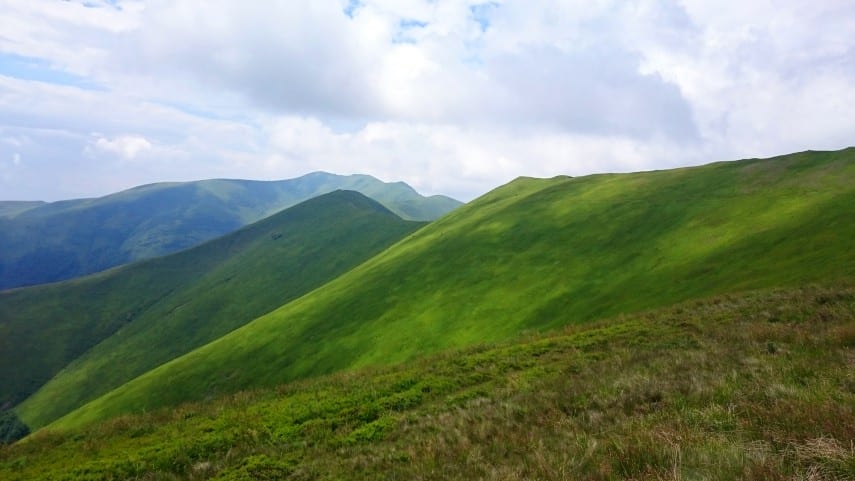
{"x": 62, "y": 240}
{"x": 738, "y": 387}
{"x": 533, "y": 255}
{"x": 119, "y": 324}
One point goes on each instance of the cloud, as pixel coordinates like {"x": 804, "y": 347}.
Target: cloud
{"x": 764, "y": 78}
{"x": 300, "y": 56}
{"x": 16, "y": 158}
{"x": 125, "y": 146}
{"x": 311, "y": 58}
{"x": 68, "y": 34}
{"x": 580, "y": 92}
{"x": 423, "y": 154}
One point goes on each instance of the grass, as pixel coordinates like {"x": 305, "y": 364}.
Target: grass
{"x": 77, "y": 340}
{"x": 531, "y": 256}
{"x": 757, "y": 385}
{"x": 62, "y": 240}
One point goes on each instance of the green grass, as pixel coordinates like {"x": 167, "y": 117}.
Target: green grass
{"x": 93, "y": 334}
{"x": 535, "y": 255}
{"x": 62, "y": 240}
{"x": 757, "y": 385}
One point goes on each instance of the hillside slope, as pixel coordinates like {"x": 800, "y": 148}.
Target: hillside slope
{"x": 61, "y": 240}
{"x": 537, "y": 254}
{"x": 139, "y": 316}
{"x": 750, "y": 386}
{"x": 10, "y": 208}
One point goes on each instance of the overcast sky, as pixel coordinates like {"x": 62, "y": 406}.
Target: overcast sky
{"x": 453, "y": 97}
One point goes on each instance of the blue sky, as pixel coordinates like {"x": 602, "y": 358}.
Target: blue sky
{"x": 453, "y": 97}
{"x": 40, "y": 70}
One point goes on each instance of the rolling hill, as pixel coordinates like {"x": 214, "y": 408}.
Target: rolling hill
{"x": 535, "y": 255}
{"x": 55, "y": 241}
{"x": 120, "y": 323}
{"x": 745, "y": 386}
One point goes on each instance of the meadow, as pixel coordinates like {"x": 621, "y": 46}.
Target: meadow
{"x": 756, "y": 385}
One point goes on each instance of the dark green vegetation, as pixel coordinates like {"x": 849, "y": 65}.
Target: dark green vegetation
{"x": 62, "y": 240}
{"x": 737, "y": 387}
{"x": 123, "y": 322}
{"x": 533, "y": 255}
{"x": 11, "y": 427}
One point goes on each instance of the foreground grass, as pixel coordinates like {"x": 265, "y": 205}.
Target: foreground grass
{"x": 750, "y": 386}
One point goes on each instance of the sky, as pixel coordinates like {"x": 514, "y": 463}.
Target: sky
{"x": 454, "y": 97}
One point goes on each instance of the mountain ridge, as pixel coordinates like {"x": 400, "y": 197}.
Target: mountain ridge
{"x": 64, "y": 239}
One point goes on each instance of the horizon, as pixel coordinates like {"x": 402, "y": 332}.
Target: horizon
{"x": 399, "y": 181}
{"x": 452, "y": 98}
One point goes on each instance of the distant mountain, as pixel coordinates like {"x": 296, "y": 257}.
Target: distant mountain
{"x": 120, "y": 323}
{"x": 536, "y": 254}
{"x": 48, "y": 242}
{"x": 10, "y": 208}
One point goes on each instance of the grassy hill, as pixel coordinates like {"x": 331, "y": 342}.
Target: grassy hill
{"x": 123, "y": 322}
{"x": 61, "y": 240}
{"x": 757, "y": 385}
{"x": 535, "y": 255}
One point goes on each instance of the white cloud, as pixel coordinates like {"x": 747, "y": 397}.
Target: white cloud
{"x": 125, "y": 146}
{"x": 424, "y": 154}
{"x": 16, "y": 158}
{"x": 67, "y": 34}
